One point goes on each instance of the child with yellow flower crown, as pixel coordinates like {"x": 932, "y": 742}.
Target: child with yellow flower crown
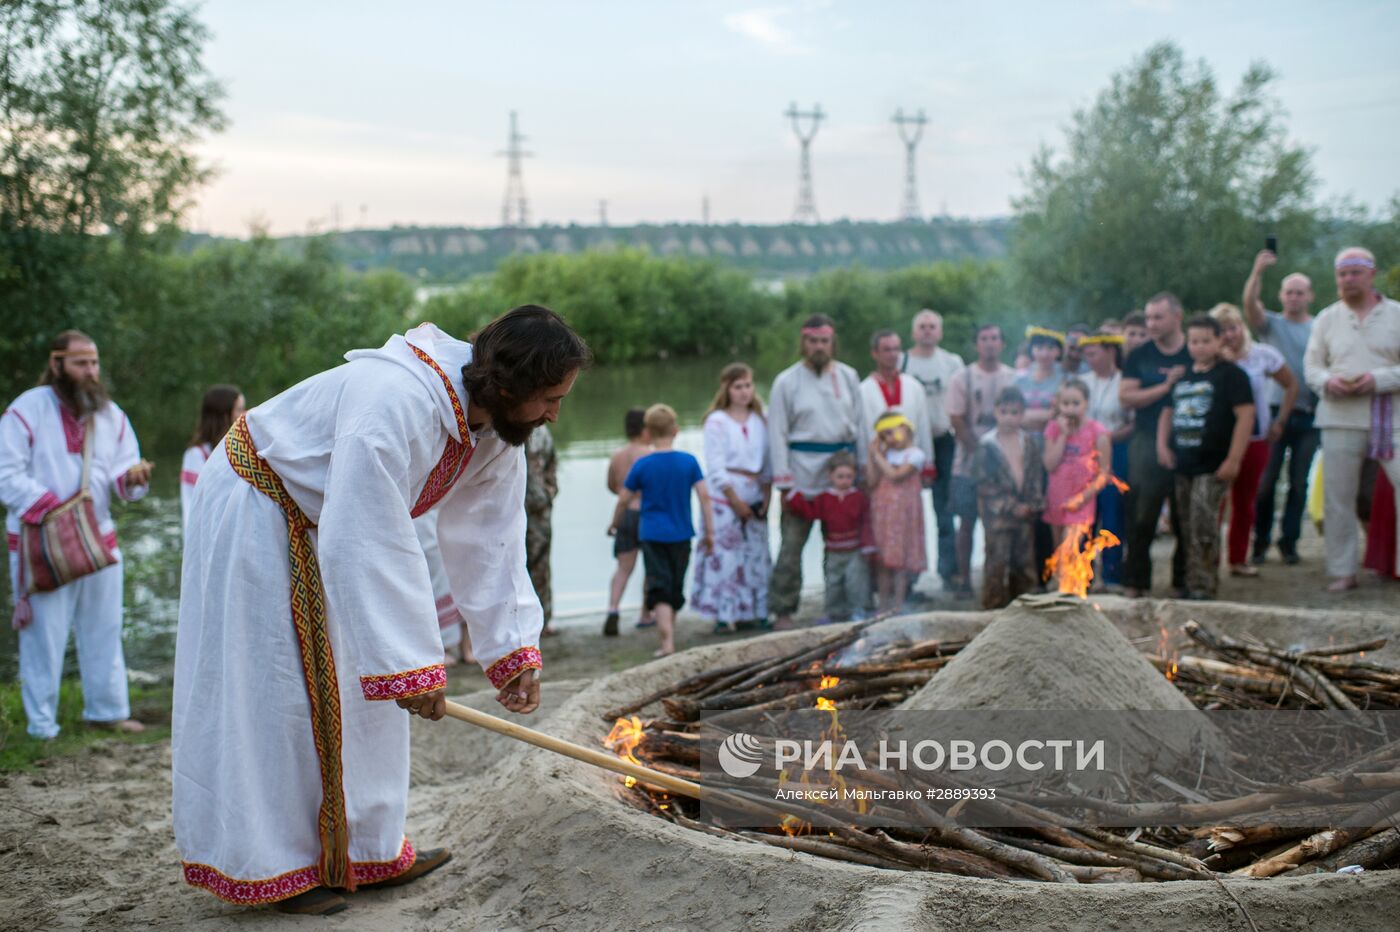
{"x": 897, "y": 513}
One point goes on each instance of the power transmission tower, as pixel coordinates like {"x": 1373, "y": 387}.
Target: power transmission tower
{"x": 909, "y": 206}
{"x": 806, "y": 211}
{"x": 602, "y": 213}
{"x": 516, "y": 210}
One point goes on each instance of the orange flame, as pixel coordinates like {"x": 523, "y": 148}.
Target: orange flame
{"x": 626, "y": 734}
{"x": 1073, "y": 566}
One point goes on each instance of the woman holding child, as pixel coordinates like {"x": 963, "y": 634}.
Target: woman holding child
{"x": 731, "y": 581}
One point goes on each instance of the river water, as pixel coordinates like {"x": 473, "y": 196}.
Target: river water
{"x": 589, "y": 429}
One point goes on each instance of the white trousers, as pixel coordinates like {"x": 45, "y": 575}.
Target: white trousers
{"x": 1343, "y": 452}
{"x": 92, "y": 608}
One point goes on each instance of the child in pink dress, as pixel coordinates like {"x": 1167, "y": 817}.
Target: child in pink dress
{"x": 1077, "y": 457}
{"x": 897, "y": 509}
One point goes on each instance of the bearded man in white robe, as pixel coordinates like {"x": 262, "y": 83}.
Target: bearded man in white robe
{"x": 42, "y": 437}
{"x": 307, "y": 606}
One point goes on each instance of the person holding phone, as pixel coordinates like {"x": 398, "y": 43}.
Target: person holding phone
{"x": 1295, "y": 438}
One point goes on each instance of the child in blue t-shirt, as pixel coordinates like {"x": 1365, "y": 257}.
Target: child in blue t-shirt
{"x": 664, "y": 479}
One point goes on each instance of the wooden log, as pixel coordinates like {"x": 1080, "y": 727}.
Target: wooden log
{"x": 1104, "y": 874}
{"x": 1315, "y": 681}
{"x": 1229, "y": 674}
{"x": 1341, "y": 650}
{"x": 685, "y": 685}
{"x": 826, "y": 849}
{"x": 688, "y": 710}
{"x": 1318, "y": 845}
{"x": 820, "y": 651}
{"x": 1367, "y": 853}
{"x": 1377, "y": 816}
{"x": 669, "y": 745}
{"x": 872, "y": 669}
{"x": 808, "y": 698}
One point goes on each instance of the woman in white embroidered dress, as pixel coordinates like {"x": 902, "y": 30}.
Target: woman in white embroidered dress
{"x": 222, "y": 405}
{"x": 731, "y": 581}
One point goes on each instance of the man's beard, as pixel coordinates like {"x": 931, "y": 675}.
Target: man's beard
{"x": 83, "y": 396}
{"x": 512, "y": 431}
{"x": 819, "y": 361}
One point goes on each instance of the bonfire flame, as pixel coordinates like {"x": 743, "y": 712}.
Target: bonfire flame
{"x": 1072, "y": 563}
{"x": 626, "y": 734}
{"x": 1165, "y": 651}
{"x": 826, "y": 683}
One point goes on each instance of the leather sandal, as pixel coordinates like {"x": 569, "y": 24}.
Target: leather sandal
{"x": 425, "y": 863}
{"x": 318, "y": 901}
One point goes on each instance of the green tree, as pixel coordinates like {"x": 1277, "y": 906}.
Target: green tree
{"x": 1165, "y": 183}
{"x": 100, "y": 104}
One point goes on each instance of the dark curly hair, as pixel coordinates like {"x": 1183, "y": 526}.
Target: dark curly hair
{"x": 521, "y": 353}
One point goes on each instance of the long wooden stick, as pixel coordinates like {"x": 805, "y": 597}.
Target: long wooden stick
{"x": 577, "y": 751}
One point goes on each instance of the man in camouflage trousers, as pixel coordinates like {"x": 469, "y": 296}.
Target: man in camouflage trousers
{"x": 541, "y": 485}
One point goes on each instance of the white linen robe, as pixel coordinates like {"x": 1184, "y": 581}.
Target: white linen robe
{"x": 806, "y": 407}
{"x": 190, "y": 467}
{"x": 354, "y": 447}
{"x": 41, "y": 466}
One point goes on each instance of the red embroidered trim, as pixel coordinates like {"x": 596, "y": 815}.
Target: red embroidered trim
{"x": 891, "y": 397}
{"x": 457, "y": 412}
{"x": 283, "y": 886}
{"x": 45, "y": 504}
{"x": 508, "y": 667}
{"x": 110, "y": 540}
{"x": 404, "y": 685}
{"x": 29, "y": 430}
{"x": 447, "y": 612}
{"x": 73, "y": 429}
{"x": 12, "y": 541}
{"x": 189, "y": 476}
{"x": 455, "y": 455}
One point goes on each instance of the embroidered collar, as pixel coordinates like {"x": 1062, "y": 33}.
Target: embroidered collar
{"x": 74, "y": 429}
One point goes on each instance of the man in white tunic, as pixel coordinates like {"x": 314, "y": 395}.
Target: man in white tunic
{"x": 306, "y": 603}
{"x": 935, "y": 368}
{"x": 42, "y": 435}
{"x": 1352, "y": 363}
{"x": 814, "y": 410}
{"x": 888, "y": 389}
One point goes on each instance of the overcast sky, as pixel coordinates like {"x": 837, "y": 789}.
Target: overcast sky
{"x": 395, "y": 112}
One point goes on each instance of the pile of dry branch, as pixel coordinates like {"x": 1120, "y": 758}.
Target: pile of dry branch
{"x": 1279, "y": 829}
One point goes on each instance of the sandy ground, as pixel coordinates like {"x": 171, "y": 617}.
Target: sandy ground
{"x": 542, "y": 843}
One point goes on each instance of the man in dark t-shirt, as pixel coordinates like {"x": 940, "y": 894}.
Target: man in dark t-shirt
{"x": 1202, "y": 433}
{"x": 1149, "y": 373}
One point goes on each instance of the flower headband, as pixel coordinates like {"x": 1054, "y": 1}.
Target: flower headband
{"x": 891, "y": 421}
{"x": 1112, "y": 339}
{"x": 1055, "y": 335}
{"x": 823, "y": 331}
{"x": 1355, "y": 262}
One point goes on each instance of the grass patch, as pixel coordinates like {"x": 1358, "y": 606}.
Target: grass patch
{"x": 18, "y": 751}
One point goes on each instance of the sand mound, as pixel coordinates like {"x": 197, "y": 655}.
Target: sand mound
{"x": 1055, "y": 654}
{"x": 1049, "y": 656}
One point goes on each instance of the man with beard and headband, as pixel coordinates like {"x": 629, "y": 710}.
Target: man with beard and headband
{"x": 814, "y": 410}
{"x": 307, "y": 616}
{"x": 42, "y": 437}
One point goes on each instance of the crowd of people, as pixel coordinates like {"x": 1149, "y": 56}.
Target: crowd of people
{"x": 1133, "y": 426}
{"x": 307, "y": 586}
